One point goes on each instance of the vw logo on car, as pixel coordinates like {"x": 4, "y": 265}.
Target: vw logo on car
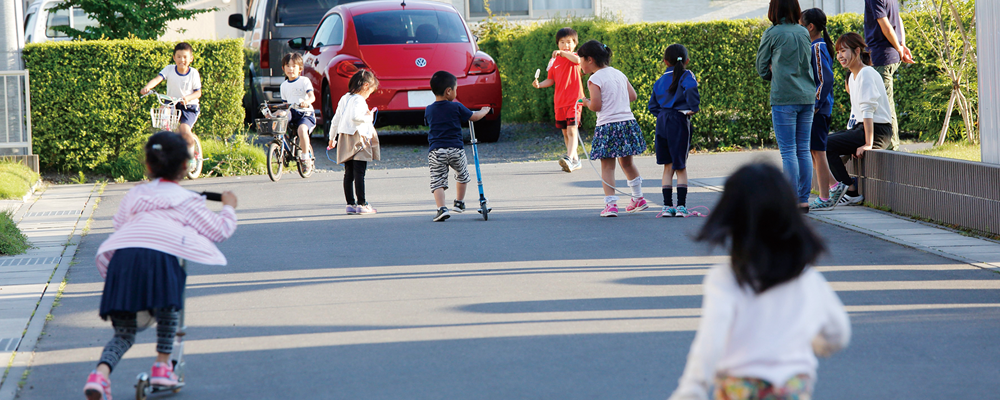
{"x": 421, "y": 62}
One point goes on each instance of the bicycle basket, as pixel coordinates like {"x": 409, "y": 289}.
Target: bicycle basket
{"x": 164, "y": 118}
{"x": 271, "y": 126}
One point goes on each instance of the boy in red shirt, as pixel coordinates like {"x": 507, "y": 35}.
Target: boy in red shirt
{"x": 564, "y": 72}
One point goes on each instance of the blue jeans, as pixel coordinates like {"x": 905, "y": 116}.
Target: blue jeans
{"x": 792, "y": 128}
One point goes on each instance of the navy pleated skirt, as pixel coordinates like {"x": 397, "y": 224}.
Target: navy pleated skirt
{"x": 142, "y": 279}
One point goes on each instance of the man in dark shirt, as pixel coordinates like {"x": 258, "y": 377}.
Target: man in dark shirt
{"x": 886, "y": 40}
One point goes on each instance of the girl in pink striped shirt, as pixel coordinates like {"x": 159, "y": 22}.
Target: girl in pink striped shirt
{"x": 157, "y": 223}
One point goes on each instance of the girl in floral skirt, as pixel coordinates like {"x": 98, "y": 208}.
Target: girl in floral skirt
{"x": 617, "y": 135}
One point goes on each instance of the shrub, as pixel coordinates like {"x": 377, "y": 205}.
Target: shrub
{"x": 12, "y": 241}
{"x": 735, "y": 107}
{"x": 233, "y": 156}
{"x": 86, "y": 111}
{"x": 15, "y": 180}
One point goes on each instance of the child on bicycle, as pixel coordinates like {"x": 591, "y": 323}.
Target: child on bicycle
{"x": 183, "y": 83}
{"x": 157, "y": 223}
{"x": 445, "y": 117}
{"x": 299, "y": 92}
{"x": 564, "y": 72}
{"x": 353, "y": 126}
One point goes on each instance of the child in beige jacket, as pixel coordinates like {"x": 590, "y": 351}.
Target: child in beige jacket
{"x": 353, "y": 128}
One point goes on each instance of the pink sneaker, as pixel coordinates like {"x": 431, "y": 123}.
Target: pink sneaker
{"x": 162, "y": 375}
{"x": 610, "y": 210}
{"x": 637, "y": 205}
{"x": 98, "y": 387}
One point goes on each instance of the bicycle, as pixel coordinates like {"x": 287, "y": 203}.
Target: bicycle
{"x": 166, "y": 117}
{"x": 284, "y": 148}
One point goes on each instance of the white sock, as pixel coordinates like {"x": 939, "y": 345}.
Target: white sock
{"x": 636, "y": 186}
{"x": 610, "y": 199}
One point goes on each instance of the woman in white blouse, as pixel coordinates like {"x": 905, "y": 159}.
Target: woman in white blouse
{"x": 766, "y": 315}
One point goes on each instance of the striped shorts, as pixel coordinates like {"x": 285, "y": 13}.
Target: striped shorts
{"x": 442, "y": 158}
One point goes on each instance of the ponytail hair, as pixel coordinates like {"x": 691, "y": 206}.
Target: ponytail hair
{"x": 817, "y": 17}
{"x": 167, "y": 155}
{"x": 360, "y": 78}
{"x": 676, "y": 56}
{"x": 597, "y": 51}
{"x": 853, "y": 41}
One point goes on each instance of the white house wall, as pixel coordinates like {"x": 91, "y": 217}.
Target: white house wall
{"x": 213, "y": 25}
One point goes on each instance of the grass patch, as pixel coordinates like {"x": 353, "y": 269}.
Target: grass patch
{"x": 956, "y": 150}
{"x": 15, "y": 180}
{"x": 232, "y": 156}
{"x": 12, "y": 241}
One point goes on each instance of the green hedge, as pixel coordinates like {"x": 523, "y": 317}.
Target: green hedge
{"x": 85, "y": 106}
{"x": 734, "y": 100}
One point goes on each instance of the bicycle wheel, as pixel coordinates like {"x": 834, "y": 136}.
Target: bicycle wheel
{"x": 194, "y": 169}
{"x": 275, "y": 162}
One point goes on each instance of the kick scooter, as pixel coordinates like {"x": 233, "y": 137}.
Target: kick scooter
{"x": 143, "y": 388}
{"x": 484, "y": 205}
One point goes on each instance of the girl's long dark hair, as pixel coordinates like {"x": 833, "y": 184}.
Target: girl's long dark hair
{"x": 817, "y": 17}
{"x": 759, "y": 219}
{"x": 853, "y": 41}
{"x": 676, "y": 55}
{"x": 597, "y": 51}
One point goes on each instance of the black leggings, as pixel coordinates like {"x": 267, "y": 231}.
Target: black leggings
{"x": 354, "y": 181}
{"x": 847, "y": 143}
{"x": 126, "y": 326}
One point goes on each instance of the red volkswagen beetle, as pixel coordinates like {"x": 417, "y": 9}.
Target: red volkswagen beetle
{"x": 404, "y": 43}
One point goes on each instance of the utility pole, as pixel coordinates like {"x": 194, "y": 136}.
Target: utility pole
{"x": 988, "y": 45}
{"x": 12, "y": 32}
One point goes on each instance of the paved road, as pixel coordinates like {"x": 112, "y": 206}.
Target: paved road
{"x": 545, "y": 300}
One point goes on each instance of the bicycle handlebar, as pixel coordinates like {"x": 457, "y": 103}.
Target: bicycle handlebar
{"x": 162, "y": 98}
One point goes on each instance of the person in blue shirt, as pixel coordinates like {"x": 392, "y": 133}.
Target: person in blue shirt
{"x": 445, "y": 117}
{"x": 674, "y": 100}
{"x": 885, "y": 37}
{"x": 830, "y": 191}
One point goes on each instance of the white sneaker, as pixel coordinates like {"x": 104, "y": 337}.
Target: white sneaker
{"x": 849, "y": 200}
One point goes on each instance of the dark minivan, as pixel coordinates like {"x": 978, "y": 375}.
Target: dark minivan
{"x": 269, "y": 25}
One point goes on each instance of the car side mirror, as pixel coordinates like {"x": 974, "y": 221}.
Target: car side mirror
{"x": 300, "y": 43}
{"x": 236, "y": 21}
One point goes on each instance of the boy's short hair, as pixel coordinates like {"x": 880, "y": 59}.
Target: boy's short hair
{"x": 291, "y": 58}
{"x": 567, "y": 31}
{"x": 183, "y": 46}
{"x": 441, "y": 81}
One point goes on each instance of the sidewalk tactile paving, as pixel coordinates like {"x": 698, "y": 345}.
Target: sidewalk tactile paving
{"x": 6, "y": 262}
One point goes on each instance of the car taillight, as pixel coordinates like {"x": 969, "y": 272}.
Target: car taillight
{"x": 347, "y": 68}
{"x": 265, "y": 54}
{"x": 482, "y": 64}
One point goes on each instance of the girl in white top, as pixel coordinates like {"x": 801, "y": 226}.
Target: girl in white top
{"x": 870, "y": 126}
{"x": 353, "y": 127}
{"x": 617, "y": 134}
{"x": 766, "y": 315}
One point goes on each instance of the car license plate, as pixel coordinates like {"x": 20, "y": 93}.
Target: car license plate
{"x": 419, "y": 98}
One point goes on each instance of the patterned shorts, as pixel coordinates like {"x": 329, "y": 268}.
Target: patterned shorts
{"x": 800, "y": 387}
{"x": 617, "y": 139}
{"x": 442, "y": 158}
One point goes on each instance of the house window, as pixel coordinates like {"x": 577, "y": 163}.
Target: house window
{"x": 562, "y": 4}
{"x": 477, "y": 8}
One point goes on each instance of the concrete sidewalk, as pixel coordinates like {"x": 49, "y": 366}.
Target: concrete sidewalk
{"x": 53, "y": 220}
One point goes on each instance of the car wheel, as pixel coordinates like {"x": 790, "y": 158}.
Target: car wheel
{"x": 327, "y": 108}
{"x": 488, "y": 130}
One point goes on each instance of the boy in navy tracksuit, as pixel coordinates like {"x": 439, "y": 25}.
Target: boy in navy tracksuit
{"x": 675, "y": 98}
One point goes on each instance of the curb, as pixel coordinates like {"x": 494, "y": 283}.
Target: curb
{"x": 25, "y": 352}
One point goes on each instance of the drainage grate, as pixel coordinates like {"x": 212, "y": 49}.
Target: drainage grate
{"x": 29, "y": 261}
{"x": 9, "y": 344}
{"x": 51, "y": 213}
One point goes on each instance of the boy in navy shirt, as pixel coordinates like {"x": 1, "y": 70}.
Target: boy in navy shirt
{"x": 886, "y": 40}
{"x": 445, "y": 117}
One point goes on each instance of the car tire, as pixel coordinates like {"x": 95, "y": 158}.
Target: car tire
{"x": 488, "y": 131}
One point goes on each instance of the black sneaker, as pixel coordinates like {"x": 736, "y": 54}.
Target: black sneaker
{"x": 442, "y": 215}
{"x": 459, "y": 206}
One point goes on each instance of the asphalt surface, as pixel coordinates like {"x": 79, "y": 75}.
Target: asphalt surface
{"x": 544, "y": 300}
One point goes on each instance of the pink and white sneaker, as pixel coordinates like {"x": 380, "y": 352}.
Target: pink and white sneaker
{"x": 637, "y": 205}
{"x": 162, "y": 375}
{"x": 610, "y": 210}
{"x": 98, "y": 387}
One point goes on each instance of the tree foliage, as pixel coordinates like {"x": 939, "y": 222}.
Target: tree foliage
{"x": 121, "y": 19}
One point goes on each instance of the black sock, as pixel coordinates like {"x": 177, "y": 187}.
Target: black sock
{"x": 853, "y": 193}
{"x": 668, "y": 195}
{"x": 682, "y": 195}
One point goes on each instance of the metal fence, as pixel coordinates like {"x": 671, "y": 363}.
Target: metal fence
{"x": 15, "y": 109}
{"x": 957, "y": 192}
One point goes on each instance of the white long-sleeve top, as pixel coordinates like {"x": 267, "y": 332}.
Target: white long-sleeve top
{"x": 353, "y": 116}
{"x": 163, "y": 216}
{"x": 868, "y": 98}
{"x": 767, "y": 336}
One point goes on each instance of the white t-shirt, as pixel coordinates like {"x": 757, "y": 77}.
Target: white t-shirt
{"x": 868, "y": 98}
{"x": 293, "y": 92}
{"x": 181, "y": 85}
{"x": 614, "y": 96}
{"x": 767, "y": 336}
